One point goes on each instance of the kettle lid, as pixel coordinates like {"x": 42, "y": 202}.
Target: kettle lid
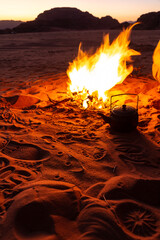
{"x": 124, "y": 110}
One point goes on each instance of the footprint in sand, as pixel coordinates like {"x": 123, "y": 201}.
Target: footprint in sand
{"x": 86, "y": 138}
{"x": 144, "y": 123}
{"x": 21, "y": 165}
{"x": 73, "y": 164}
{"x": 3, "y": 142}
{"x": 72, "y": 137}
{"x": 24, "y": 151}
{"x": 3, "y": 162}
{"x": 48, "y": 139}
{"x": 14, "y": 174}
{"x": 4, "y": 172}
{"x": 156, "y": 104}
{"x": 129, "y": 148}
{"x": 131, "y": 153}
{"x": 11, "y": 176}
{"x": 120, "y": 140}
{"x": 137, "y": 159}
{"x": 157, "y": 127}
{"x": 137, "y": 220}
{"x": 10, "y": 127}
{"x": 65, "y": 160}
{"x": 101, "y": 154}
{"x": 65, "y": 137}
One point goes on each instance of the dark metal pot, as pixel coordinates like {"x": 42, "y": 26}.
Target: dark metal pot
{"x": 122, "y": 118}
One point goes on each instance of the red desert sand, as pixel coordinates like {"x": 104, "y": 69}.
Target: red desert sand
{"x": 64, "y": 173}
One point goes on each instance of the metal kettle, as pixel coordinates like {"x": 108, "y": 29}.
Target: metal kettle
{"x": 122, "y": 118}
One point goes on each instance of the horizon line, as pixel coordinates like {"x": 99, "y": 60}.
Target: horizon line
{"x": 32, "y": 19}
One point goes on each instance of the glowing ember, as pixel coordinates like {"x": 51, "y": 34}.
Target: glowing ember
{"x": 156, "y": 63}
{"x": 92, "y": 76}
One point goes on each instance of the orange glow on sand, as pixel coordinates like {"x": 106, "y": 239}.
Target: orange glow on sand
{"x": 91, "y": 76}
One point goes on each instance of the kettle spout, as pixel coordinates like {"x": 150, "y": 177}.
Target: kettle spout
{"x": 105, "y": 118}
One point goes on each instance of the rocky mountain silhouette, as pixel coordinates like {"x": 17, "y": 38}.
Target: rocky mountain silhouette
{"x": 67, "y": 18}
{"x": 149, "y": 21}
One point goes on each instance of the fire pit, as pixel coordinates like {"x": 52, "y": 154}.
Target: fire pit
{"x": 94, "y": 78}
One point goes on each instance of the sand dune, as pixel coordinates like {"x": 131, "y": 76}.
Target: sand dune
{"x": 64, "y": 173}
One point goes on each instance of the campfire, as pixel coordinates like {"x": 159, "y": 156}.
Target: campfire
{"x": 92, "y": 76}
{"x": 156, "y": 63}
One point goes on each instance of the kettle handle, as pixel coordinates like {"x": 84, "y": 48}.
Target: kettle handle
{"x": 121, "y": 94}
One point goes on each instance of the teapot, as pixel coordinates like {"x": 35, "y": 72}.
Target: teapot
{"x": 122, "y": 118}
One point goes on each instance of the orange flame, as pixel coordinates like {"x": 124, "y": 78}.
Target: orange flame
{"x": 94, "y": 75}
{"x": 156, "y": 63}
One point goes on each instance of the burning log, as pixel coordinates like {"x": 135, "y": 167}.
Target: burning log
{"x": 55, "y": 103}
